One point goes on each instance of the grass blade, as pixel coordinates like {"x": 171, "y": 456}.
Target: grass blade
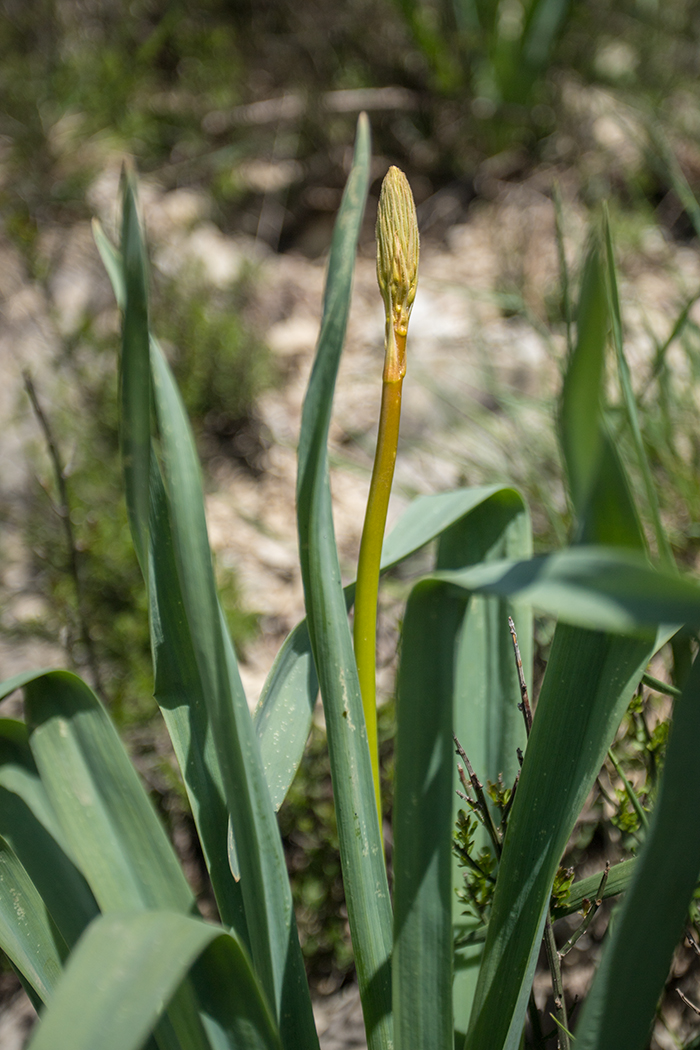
{"x": 619, "y": 1010}
{"x": 132, "y": 965}
{"x": 369, "y": 908}
{"x": 662, "y": 543}
{"x": 598, "y": 484}
{"x": 134, "y": 376}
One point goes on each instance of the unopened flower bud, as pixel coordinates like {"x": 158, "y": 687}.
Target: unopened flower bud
{"x": 397, "y": 265}
{"x": 397, "y": 249}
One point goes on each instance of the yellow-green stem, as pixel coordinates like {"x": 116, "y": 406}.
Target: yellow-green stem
{"x": 367, "y": 588}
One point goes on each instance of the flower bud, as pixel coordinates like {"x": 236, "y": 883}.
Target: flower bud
{"x": 397, "y": 249}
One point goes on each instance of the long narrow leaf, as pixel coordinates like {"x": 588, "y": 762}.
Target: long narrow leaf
{"x": 589, "y": 680}
{"x": 486, "y": 717}
{"x": 619, "y": 1010}
{"x": 178, "y": 687}
{"x": 132, "y": 964}
{"x": 212, "y": 669}
{"x": 135, "y": 382}
{"x": 180, "y": 695}
{"x": 579, "y": 420}
{"x": 265, "y": 886}
{"x": 591, "y": 587}
{"x": 367, "y": 892}
{"x": 422, "y": 962}
{"x": 107, "y": 819}
{"x": 663, "y": 545}
{"x": 598, "y": 484}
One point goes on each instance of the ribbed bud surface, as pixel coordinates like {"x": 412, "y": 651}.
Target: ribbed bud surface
{"x": 397, "y": 248}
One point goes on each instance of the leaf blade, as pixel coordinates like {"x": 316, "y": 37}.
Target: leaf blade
{"x": 620, "y": 1007}
{"x": 369, "y": 909}
{"x": 133, "y": 965}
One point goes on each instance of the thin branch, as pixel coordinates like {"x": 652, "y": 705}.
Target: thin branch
{"x": 509, "y": 805}
{"x": 63, "y": 510}
{"x": 478, "y": 789}
{"x": 692, "y": 943}
{"x": 475, "y": 867}
{"x": 631, "y": 793}
{"x": 554, "y": 963}
{"x": 687, "y": 1002}
{"x": 524, "y": 704}
{"x": 589, "y": 916}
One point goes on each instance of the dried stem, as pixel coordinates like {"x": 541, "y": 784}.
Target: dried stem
{"x": 524, "y": 704}
{"x": 63, "y": 511}
{"x": 589, "y": 916}
{"x": 557, "y": 985}
{"x": 687, "y": 1001}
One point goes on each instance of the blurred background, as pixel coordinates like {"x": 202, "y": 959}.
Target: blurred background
{"x": 513, "y": 119}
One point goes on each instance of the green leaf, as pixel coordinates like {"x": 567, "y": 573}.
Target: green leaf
{"x": 107, "y": 819}
{"x": 180, "y": 695}
{"x": 592, "y": 587}
{"x": 190, "y": 636}
{"x": 284, "y": 712}
{"x": 178, "y": 687}
{"x": 364, "y": 874}
{"x": 112, "y": 262}
{"x": 579, "y": 417}
{"x": 589, "y": 679}
{"x": 32, "y": 831}
{"x": 618, "y": 881}
{"x": 132, "y": 964}
{"x": 587, "y": 686}
{"x": 598, "y": 484}
{"x": 106, "y": 816}
{"x": 487, "y": 692}
{"x": 663, "y": 545}
{"x": 264, "y": 883}
{"x": 28, "y": 937}
{"x": 620, "y": 1008}
{"x": 135, "y": 381}
{"x": 422, "y": 823}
